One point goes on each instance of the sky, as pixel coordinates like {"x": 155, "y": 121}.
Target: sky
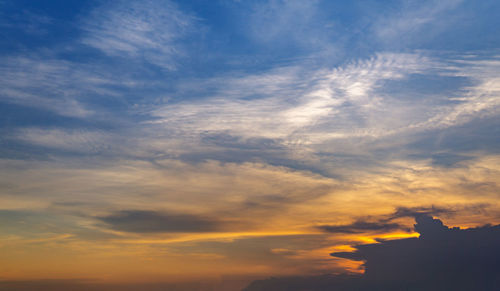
{"x": 441, "y": 258}
{"x": 224, "y": 141}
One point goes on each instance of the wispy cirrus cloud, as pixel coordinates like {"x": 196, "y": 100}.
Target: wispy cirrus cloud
{"x": 298, "y": 110}
{"x": 299, "y": 102}
{"x": 44, "y": 84}
{"x": 407, "y": 23}
{"x": 64, "y": 87}
{"x": 76, "y": 141}
{"x": 313, "y": 107}
{"x": 147, "y": 31}
{"x": 481, "y": 99}
{"x": 47, "y": 80}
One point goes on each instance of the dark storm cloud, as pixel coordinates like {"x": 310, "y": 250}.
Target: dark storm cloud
{"x": 442, "y": 258}
{"x": 143, "y": 221}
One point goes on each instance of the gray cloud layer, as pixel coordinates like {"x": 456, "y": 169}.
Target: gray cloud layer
{"x": 143, "y": 221}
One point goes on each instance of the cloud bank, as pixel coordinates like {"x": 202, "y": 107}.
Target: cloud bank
{"x": 442, "y": 258}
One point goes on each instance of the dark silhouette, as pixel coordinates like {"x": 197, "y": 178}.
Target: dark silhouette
{"x": 230, "y": 284}
{"x": 441, "y": 258}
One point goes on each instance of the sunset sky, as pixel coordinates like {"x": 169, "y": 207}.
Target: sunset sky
{"x": 162, "y": 141}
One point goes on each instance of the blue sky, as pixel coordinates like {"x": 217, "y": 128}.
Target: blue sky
{"x": 113, "y": 67}
{"x": 242, "y": 112}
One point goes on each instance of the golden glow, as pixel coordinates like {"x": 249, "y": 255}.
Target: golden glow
{"x": 223, "y": 236}
{"x": 277, "y": 210}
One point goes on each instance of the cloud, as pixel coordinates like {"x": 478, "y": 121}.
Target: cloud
{"x": 298, "y": 106}
{"x": 65, "y": 87}
{"x": 200, "y": 187}
{"x": 415, "y": 212}
{"x": 385, "y": 223}
{"x": 145, "y": 31}
{"x": 481, "y": 99}
{"x": 286, "y": 116}
{"x": 304, "y": 109}
{"x": 361, "y": 226}
{"x": 33, "y": 24}
{"x": 145, "y": 221}
{"x": 44, "y": 84}
{"x": 269, "y": 123}
{"x": 80, "y": 141}
{"x": 405, "y": 25}
{"x": 442, "y": 258}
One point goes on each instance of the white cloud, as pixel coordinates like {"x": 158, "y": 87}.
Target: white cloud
{"x": 331, "y": 110}
{"x": 80, "y": 141}
{"x": 293, "y": 103}
{"x": 481, "y": 99}
{"x": 406, "y": 24}
{"x": 147, "y": 30}
{"x": 64, "y": 87}
{"x": 303, "y": 110}
{"x": 45, "y": 84}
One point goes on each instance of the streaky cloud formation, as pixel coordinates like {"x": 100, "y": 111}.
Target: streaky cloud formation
{"x": 360, "y": 226}
{"x": 148, "y": 31}
{"x": 143, "y": 221}
{"x": 292, "y": 105}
